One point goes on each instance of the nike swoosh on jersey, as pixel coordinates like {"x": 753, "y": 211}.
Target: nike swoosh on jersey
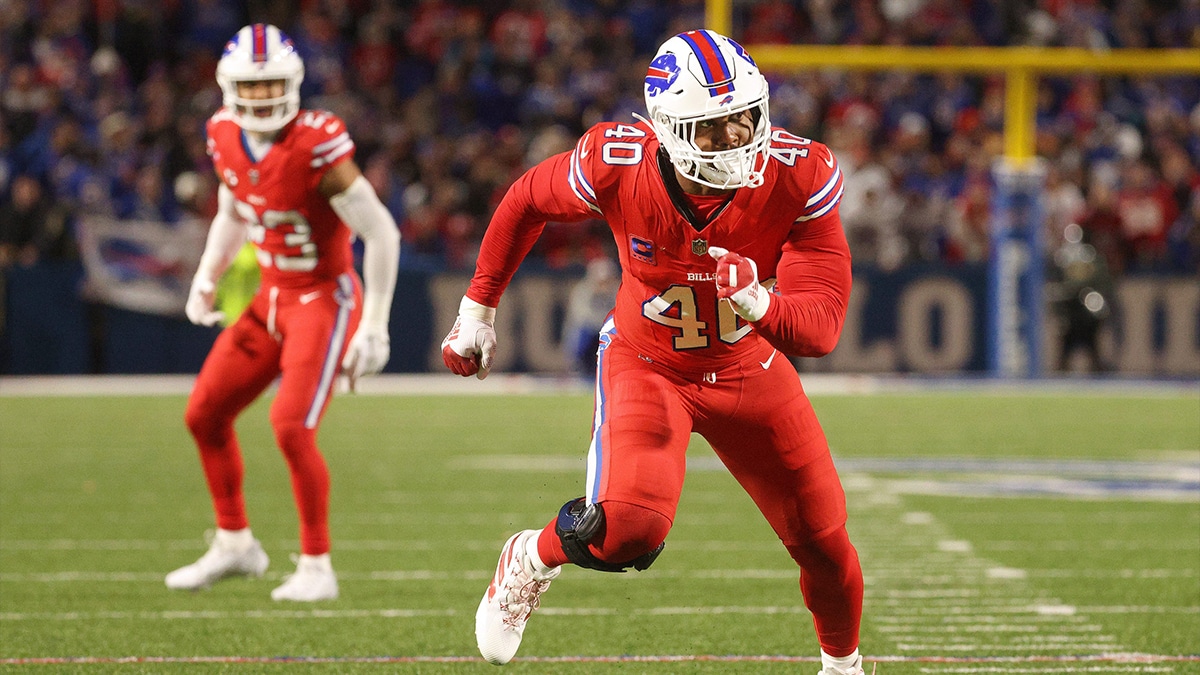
{"x": 829, "y": 162}
{"x": 767, "y": 364}
{"x": 309, "y": 297}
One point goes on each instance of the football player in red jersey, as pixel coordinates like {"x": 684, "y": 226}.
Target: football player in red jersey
{"x": 290, "y": 185}
{"x": 731, "y": 253}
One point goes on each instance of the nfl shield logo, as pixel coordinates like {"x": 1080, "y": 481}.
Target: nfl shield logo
{"x": 700, "y": 246}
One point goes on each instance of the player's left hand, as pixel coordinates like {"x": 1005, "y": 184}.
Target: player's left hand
{"x": 470, "y": 346}
{"x": 737, "y": 281}
{"x": 367, "y": 354}
{"x": 199, "y": 307}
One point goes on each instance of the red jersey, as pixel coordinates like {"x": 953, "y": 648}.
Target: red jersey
{"x": 667, "y": 305}
{"x": 300, "y": 239}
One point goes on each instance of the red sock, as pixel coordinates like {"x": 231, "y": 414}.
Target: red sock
{"x": 310, "y": 484}
{"x": 221, "y": 458}
{"x": 832, "y": 584}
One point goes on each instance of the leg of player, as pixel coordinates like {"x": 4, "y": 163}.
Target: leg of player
{"x": 241, "y": 364}
{"x": 776, "y": 449}
{"x": 314, "y": 578}
{"x": 314, "y": 343}
{"x": 629, "y": 537}
{"x": 831, "y": 583}
{"x": 638, "y": 448}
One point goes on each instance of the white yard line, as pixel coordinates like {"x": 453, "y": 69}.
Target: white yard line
{"x": 934, "y": 574}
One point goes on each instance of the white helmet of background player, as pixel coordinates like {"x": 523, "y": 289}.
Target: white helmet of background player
{"x": 701, "y": 75}
{"x": 261, "y": 52}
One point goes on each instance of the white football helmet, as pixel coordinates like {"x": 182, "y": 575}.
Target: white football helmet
{"x": 261, "y": 52}
{"x": 701, "y": 75}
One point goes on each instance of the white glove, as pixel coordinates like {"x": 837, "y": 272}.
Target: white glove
{"x": 737, "y": 281}
{"x": 367, "y": 354}
{"x": 471, "y": 344}
{"x": 199, "y": 307}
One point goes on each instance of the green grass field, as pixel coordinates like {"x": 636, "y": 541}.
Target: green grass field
{"x": 1056, "y": 531}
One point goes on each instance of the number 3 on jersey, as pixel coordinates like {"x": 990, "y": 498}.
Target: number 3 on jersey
{"x": 676, "y": 307}
{"x": 297, "y": 237}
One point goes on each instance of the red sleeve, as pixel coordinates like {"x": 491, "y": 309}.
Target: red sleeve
{"x": 330, "y": 141}
{"x": 813, "y": 289}
{"x": 541, "y": 194}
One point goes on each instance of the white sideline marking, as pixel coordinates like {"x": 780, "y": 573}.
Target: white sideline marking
{"x": 954, "y": 546}
{"x": 1006, "y": 573}
{"x": 917, "y": 518}
{"x": 1056, "y": 610}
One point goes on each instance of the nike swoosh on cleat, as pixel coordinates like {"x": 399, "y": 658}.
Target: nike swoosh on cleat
{"x": 767, "y": 364}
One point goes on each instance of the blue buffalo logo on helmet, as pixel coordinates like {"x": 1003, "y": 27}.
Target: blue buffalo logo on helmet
{"x": 661, "y": 74}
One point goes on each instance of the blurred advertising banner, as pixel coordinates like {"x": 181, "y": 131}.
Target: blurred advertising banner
{"x": 924, "y": 319}
{"x": 140, "y": 265}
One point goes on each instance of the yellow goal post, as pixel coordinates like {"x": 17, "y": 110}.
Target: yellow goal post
{"x": 1015, "y": 299}
{"x": 1020, "y": 66}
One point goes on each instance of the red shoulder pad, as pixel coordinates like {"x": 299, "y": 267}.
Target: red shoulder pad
{"x": 809, "y": 170}
{"x": 825, "y": 189}
{"x": 600, "y": 152}
{"x": 325, "y": 134}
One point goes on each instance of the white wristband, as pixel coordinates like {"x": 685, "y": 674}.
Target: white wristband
{"x": 469, "y": 307}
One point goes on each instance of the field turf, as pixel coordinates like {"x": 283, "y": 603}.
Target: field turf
{"x": 1048, "y": 530}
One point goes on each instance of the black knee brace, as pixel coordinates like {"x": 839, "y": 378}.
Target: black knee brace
{"x": 577, "y": 523}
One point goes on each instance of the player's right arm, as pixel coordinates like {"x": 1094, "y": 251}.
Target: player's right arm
{"x": 806, "y": 316}
{"x": 557, "y": 189}
{"x": 226, "y": 236}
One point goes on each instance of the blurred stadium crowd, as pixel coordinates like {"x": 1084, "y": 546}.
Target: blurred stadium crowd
{"x": 103, "y": 104}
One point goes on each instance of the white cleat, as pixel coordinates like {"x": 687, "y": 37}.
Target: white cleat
{"x": 515, "y": 592}
{"x": 856, "y": 669}
{"x": 222, "y": 560}
{"x": 313, "y": 580}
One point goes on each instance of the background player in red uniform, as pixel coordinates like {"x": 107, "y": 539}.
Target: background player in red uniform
{"x": 711, "y": 208}
{"x": 290, "y": 185}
